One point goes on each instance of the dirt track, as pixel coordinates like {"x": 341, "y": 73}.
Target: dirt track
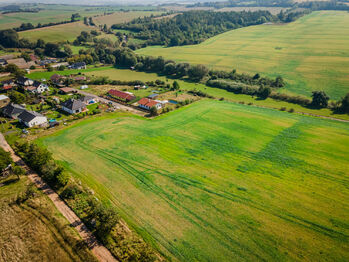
{"x": 97, "y": 249}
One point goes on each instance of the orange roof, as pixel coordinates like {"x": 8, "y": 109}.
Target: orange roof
{"x": 147, "y": 102}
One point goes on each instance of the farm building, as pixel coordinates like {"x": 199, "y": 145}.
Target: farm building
{"x": 10, "y": 82}
{"x": 147, "y": 103}
{"x": 4, "y": 101}
{"x": 73, "y": 106}
{"x": 12, "y": 110}
{"x": 56, "y": 78}
{"x": 83, "y": 87}
{"x": 123, "y": 96}
{"x": 31, "y": 118}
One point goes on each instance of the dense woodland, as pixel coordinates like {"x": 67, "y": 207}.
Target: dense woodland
{"x": 193, "y": 27}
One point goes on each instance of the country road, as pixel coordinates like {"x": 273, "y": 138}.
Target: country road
{"x": 101, "y": 253}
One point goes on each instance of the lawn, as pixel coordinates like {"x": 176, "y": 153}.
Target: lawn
{"x": 311, "y": 53}
{"x": 218, "y": 181}
{"x": 35, "y": 229}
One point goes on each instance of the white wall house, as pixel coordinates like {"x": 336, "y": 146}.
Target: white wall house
{"x": 40, "y": 87}
{"x": 31, "y": 118}
{"x": 73, "y": 106}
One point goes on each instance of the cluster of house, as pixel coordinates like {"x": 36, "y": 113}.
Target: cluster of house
{"x": 27, "y": 117}
{"x": 144, "y": 103}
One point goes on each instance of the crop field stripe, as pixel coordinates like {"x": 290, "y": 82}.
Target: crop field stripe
{"x": 203, "y": 172}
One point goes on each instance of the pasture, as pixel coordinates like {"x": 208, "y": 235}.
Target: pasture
{"x": 216, "y": 181}
{"x": 311, "y": 53}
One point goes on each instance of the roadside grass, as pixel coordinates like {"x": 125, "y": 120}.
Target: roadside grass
{"x": 219, "y": 181}
{"x": 35, "y": 229}
{"x": 129, "y": 75}
{"x": 310, "y": 53}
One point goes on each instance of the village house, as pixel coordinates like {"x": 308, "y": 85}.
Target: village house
{"x": 123, "y": 96}
{"x": 37, "y": 88}
{"x": 4, "y": 101}
{"x": 88, "y": 100}
{"x": 8, "y": 84}
{"x": 147, "y": 103}
{"x": 24, "y": 81}
{"x": 3, "y": 62}
{"x": 73, "y": 106}
{"x": 78, "y": 65}
{"x": 47, "y": 61}
{"x": 31, "y": 118}
{"x": 12, "y": 110}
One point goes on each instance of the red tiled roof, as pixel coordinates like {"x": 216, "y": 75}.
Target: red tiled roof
{"x": 147, "y": 102}
{"x": 67, "y": 90}
{"x": 7, "y": 87}
{"x": 122, "y": 95}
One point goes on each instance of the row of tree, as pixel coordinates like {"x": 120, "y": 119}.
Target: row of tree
{"x": 191, "y": 27}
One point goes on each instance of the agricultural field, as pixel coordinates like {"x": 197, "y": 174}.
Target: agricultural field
{"x": 311, "y": 53}
{"x": 217, "y": 181}
{"x": 50, "y": 13}
{"x": 35, "y": 229}
{"x": 121, "y": 17}
{"x": 57, "y": 33}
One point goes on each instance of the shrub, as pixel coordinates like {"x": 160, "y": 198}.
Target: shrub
{"x": 291, "y": 110}
{"x": 71, "y": 191}
{"x": 283, "y": 108}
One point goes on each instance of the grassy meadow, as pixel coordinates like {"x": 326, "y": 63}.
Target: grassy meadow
{"x": 217, "y": 181}
{"x": 311, "y": 53}
{"x": 35, "y": 230}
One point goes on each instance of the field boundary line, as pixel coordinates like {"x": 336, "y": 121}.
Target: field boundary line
{"x": 101, "y": 252}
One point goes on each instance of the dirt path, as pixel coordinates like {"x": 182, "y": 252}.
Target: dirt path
{"x": 97, "y": 249}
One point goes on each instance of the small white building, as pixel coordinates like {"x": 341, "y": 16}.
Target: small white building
{"x": 83, "y": 87}
{"x": 31, "y": 118}
{"x": 147, "y": 103}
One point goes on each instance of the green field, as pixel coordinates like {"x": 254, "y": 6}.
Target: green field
{"x": 218, "y": 181}
{"x": 311, "y": 53}
{"x": 57, "y": 33}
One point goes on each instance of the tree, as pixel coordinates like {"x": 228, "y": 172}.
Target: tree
{"x": 345, "y": 104}
{"x": 26, "y": 57}
{"x": 264, "y": 92}
{"x": 9, "y": 38}
{"x": 40, "y": 43}
{"x": 175, "y": 85}
{"x": 18, "y": 171}
{"x": 279, "y": 82}
{"x": 51, "y": 49}
{"x": 5, "y": 159}
{"x": 197, "y": 72}
{"x": 320, "y": 99}
{"x": 11, "y": 68}
{"x": 68, "y": 50}
{"x": 17, "y": 97}
{"x": 85, "y": 20}
{"x": 153, "y": 111}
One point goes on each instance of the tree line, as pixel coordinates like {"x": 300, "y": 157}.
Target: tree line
{"x": 191, "y": 27}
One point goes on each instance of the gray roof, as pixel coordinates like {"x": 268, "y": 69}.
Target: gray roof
{"x": 36, "y": 83}
{"x": 12, "y": 110}
{"x": 152, "y": 95}
{"x": 73, "y": 104}
{"x": 27, "y": 116}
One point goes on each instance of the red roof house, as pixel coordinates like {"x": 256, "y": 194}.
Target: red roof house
{"x": 121, "y": 95}
{"x": 147, "y": 103}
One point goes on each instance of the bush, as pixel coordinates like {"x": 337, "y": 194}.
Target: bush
{"x": 291, "y": 110}
{"x": 283, "y": 108}
{"x": 71, "y": 191}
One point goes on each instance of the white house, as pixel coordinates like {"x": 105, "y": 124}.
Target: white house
{"x": 147, "y": 103}
{"x": 31, "y": 118}
{"x": 83, "y": 87}
{"x": 73, "y": 106}
{"x": 24, "y": 81}
{"x": 40, "y": 87}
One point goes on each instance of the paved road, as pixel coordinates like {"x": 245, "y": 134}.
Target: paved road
{"x": 97, "y": 249}
{"x": 115, "y": 104}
